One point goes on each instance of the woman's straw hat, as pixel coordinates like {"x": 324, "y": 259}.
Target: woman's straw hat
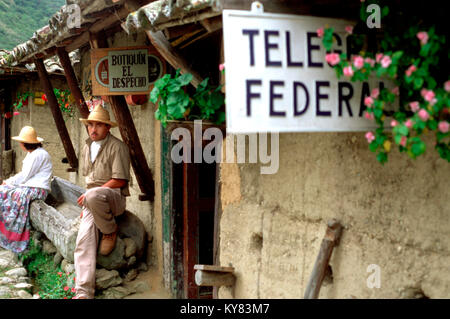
{"x": 99, "y": 114}
{"x": 28, "y": 135}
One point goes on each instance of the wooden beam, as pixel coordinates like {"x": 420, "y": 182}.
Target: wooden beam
{"x": 129, "y": 135}
{"x": 57, "y": 114}
{"x": 172, "y": 56}
{"x": 72, "y": 82}
{"x": 131, "y": 139}
{"x": 215, "y": 279}
{"x": 330, "y": 240}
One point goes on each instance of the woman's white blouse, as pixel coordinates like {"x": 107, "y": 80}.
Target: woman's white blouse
{"x": 36, "y": 170}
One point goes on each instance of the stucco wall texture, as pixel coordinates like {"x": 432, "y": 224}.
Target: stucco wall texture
{"x": 395, "y": 216}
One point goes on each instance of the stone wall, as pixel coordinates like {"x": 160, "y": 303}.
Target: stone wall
{"x": 395, "y": 216}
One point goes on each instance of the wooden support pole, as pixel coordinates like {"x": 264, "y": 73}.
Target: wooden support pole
{"x": 129, "y": 135}
{"x": 172, "y": 56}
{"x": 131, "y": 139}
{"x": 72, "y": 81}
{"x": 330, "y": 240}
{"x": 57, "y": 114}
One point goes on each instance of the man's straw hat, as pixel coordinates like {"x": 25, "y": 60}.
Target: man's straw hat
{"x": 99, "y": 114}
{"x": 28, "y": 135}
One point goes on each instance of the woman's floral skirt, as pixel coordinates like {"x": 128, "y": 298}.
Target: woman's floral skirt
{"x": 14, "y": 215}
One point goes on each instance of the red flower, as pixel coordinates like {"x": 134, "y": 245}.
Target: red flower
{"x": 66, "y": 288}
{"x": 44, "y": 97}
{"x": 73, "y": 290}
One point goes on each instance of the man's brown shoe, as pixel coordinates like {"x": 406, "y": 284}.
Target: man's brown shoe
{"x": 108, "y": 243}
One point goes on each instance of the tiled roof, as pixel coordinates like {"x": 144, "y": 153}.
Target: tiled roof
{"x": 161, "y": 14}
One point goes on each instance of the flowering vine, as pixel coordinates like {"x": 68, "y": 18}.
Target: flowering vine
{"x": 411, "y": 59}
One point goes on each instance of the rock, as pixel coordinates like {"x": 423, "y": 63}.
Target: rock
{"x": 24, "y": 294}
{"x": 5, "y": 292}
{"x": 16, "y": 272}
{"x": 64, "y": 263}
{"x": 131, "y": 275}
{"x": 23, "y": 285}
{"x": 116, "y": 293}
{"x": 105, "y": 279}
{"x": 131, "y": 261}
{"x": 115, "y": 260}
{"x": 58, "y": 258}
{"x": 48, "y": 247}
{"x": 6, "y": 281}
{"x": 8, "y": 259}
{"x": 132, "y": 227}
{"x": 130, "y": 247}
{"x": 69, "y": 268}
{"x": 142, "y": 266}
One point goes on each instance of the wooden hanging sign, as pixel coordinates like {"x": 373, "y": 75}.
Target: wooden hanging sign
{"x": 126, "y": 70}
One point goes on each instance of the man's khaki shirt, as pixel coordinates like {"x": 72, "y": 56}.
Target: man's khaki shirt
{"x": 112, "y": 161}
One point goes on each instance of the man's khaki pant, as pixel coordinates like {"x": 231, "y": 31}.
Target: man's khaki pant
{"x": 101, "y": 204}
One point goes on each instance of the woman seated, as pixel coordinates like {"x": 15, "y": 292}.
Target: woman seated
{"x": 16, "y": 193}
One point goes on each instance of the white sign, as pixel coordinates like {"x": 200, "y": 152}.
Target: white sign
{"x": 277, "y": 79}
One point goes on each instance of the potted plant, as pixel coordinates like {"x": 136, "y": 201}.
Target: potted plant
{"x": 174, "y": 102}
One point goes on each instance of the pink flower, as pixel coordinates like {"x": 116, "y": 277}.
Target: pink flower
{"x": 320, "y": 32}
{"x": 395, "y": 90}
{"x": 429, "y": 96}
{"x": 423, "y": 92}
{"x": 375, "y": 93}
{"x": 414, "y": 106}
{"x": 73, "y": 290}
{"x": 368, "y": 101}
{"x": 410, "y": 70}
{"x": 221, "y": 66}
{"x": 349, "y": 29}
{"x": 423, "y": 37}
{"x": 59, "y": 273}
{"x": 408, "y": 123}
{"x": 348, "y": 71}
{"x": 370, "y": 137}
{"x": 423, "y": 114}
{"x": 368, "y": 115}
{"x": 403, "y": 141}
{"x": 332, "y": 58}
{"x": 378, "y": 57}
{"x": 66, "y": 288}
{"x": 358, "y": 62}
{"x": 370, "y": 61}
{"x": 443, "y": 126}
{"x": 386, "y": 61}
{"x": 447, "y": 86}
{"x": 16, "y": 113}
{"x": 394, "y": 123}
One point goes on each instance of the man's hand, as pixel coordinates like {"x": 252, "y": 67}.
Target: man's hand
{"x": 80, "y": 200}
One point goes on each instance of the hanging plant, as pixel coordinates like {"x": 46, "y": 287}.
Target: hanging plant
{"x": 22, "y": 100}
{"x": 175, "y": 103}
{"x": 411, "y": 56}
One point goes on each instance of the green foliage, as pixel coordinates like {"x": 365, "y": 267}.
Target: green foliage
{"x": 174, "y": 103}
{"x": 413, "y": 54}
{"x": 49, "y": 280}
{"x": 19, "y": 19}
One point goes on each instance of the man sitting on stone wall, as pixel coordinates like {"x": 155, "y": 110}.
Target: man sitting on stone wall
{"x": 106, "y": 165}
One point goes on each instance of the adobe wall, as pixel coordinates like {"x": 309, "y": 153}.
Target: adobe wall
{"x": 396, "y": 216}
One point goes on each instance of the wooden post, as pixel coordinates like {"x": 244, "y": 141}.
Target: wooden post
{"x": 330, "y": 240}
{"x": 56, "y": 111}
{"x": 172, "y": 56}
{"x": 129, "y": 135}
{"x": 212, "y": 275}
{"x": 131, "y": 139}
{"x": 72, "y": 81}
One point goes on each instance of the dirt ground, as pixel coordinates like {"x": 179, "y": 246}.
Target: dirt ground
{"x": 156, "y": 291}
